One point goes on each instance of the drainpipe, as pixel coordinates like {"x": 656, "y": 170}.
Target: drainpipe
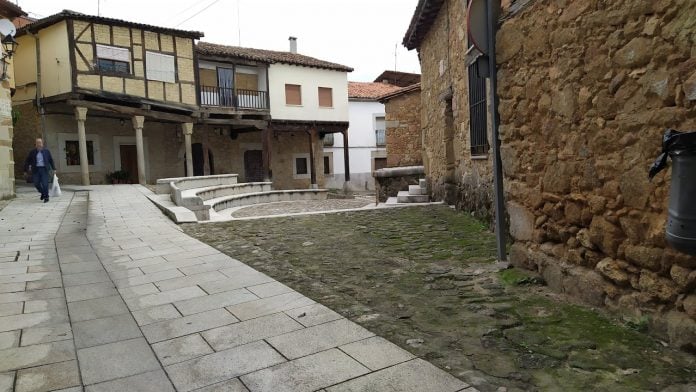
{"x": 39, "y": 104}
{"x": 500, "y": 228}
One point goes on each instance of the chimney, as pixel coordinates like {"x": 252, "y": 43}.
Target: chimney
{"x": 293, "y": 44}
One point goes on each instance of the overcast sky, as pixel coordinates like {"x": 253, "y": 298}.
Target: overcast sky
{"x": 359, "y": 33}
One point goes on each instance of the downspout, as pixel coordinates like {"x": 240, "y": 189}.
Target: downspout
{"x": 500, "y": 227}
{"x": 39, "y": 104}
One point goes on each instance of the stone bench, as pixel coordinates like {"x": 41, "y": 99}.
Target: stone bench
{"x": 246, "y": 199}
{"x": 175, "y": 186}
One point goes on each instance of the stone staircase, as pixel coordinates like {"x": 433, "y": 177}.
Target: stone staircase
{"x": 414, "y": 194}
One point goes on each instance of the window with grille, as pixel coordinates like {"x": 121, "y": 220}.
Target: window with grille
{"x": 160, "y": 67}
{"x": 381, "y": 136}
{"x": 293, "y": 94}
{"x": 325, "y": 97}
{"x": 478, "y": 120}
{"x": 327, "y": 164}
{"x": 112, "y": 59}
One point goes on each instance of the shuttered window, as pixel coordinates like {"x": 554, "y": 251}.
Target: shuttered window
{"x": 293, "y": 94}
{"x": 160, "y": 67}
{"x": 325, "y": 97}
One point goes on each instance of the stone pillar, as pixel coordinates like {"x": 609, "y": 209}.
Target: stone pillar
{"x": 312, "y": 161}
{"x": 346, "y": 155}
{"x": 187, "y": 129}
{"x": 81, "y": 116}
{"x": 266, "y": 151}
{"x": 138, "y": 122}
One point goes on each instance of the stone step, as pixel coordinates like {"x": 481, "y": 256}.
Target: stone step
{"x": 416, "y": 190}
{"x": 404, "y": 197}
{"x": 391, "y": 200}
{"x": 422, "y": 183}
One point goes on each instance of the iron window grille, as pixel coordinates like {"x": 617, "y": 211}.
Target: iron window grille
{"x": 478, "y": 118}
{"x": 113, "y": 66}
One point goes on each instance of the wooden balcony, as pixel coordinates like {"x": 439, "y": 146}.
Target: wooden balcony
{"x": 226, "y": 97}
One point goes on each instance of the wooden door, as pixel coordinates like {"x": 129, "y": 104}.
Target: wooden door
{"x": 198, "y": 163}
{"x": 253, "y": 166}
{"x": 129, "y": 161}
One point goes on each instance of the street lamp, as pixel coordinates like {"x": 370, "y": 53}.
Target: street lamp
{"x": 10, "y": 46}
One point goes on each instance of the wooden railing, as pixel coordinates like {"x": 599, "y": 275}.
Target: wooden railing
{"x": 234, "y": 98}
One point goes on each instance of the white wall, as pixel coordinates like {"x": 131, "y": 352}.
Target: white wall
{"x": 310, "y": 79}
{"x": 361, "y": 143}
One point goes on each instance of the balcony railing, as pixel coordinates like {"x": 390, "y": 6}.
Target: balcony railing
{"x": 234, "y": 98}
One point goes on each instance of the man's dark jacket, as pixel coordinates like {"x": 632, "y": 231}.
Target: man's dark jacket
{"x": 31, "y": 160}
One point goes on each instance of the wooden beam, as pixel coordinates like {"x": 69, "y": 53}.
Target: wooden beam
{"x": 107, "y": 107}
{"x": 259, "y": 124}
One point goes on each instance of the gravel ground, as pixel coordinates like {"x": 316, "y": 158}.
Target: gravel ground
{"x": 426, "y": 279}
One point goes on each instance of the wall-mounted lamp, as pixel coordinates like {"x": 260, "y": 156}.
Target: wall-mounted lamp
{"x": 9, "y": 46}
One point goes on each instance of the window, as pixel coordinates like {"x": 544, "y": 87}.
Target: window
{"x": 380, "y": 163}
{"x": 160, "y": 67}
{"x": 381, "y": 136}
{"x": 325, "y": 97}
{"x": 478, "y": 127}
{"x": 328, "y": 139}
{"x": 72, "y": 152}
{"x": 301, "y": 166}
{"x": 293, "y": 94}
{"x": 327, "y": 164}
{"x": 111, "y": 59}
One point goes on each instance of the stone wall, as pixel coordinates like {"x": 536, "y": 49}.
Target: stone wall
{"x": 7, "y": 182}
{"x": 403, "y": 123}
{"x": 453, "y": 174}
{"x": 586, "y": 90}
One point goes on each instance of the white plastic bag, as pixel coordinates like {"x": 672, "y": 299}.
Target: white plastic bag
{"x": 55, "y": 189}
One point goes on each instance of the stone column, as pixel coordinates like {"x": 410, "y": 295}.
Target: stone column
{"x": 266, "y": 149}
{"x": 187, "y": 129}
{"x": 81, "y": 116}
{"x": 138, "y": 122}
{"x": 312, "y": 164}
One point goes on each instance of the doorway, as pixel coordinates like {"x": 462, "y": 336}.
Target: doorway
{"x": 253, "y": 166}
{"x": 129, "y": 161}
{"x": 198, "y": 163}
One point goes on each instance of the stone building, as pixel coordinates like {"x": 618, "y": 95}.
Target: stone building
{"x": 586, "y": 90}
{"x": 403, "y": 123}
{"x": 7, "y": 86}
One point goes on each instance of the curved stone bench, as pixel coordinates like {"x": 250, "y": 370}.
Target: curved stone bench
{"x": 175, "y": 186}
{"x": 246, "y": 199}
{"x": 234, "y": 189}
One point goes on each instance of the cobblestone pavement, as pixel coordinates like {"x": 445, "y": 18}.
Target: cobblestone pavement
{"x": 425, "y": 279}
{"x": 297, "y": 207}
{"x": 99, "y": 291}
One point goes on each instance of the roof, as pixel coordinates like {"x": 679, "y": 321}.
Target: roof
{"x": 370, "y": 91}
{"x": 10, "y": 10}
{"x": 67, "y": 14}
{"x": 267, "y": 56}
{"x": 396, "y": 78}
{"x": 423, "y": 18}
{"x": 400, "y": 92}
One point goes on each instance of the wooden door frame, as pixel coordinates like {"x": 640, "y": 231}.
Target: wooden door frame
{"x": 129, "y": 140}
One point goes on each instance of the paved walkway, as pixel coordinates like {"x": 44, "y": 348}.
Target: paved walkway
{"x": 98, "y": 290}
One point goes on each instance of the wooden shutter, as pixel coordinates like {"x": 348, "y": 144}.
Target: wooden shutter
{"x": 325, "y": 97}
{"x": 293, "y": 94}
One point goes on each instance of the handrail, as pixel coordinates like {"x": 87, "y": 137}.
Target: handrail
{"x": 234, "y": 98}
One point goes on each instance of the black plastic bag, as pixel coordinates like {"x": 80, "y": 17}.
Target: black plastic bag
{"x": 672, "y": 142}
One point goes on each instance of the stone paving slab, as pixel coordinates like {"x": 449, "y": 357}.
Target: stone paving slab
{"x": 111, "y": 296}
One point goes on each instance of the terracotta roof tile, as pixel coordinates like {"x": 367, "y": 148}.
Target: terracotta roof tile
{"x": 369, "y": 90}
{"x": 399, "y": 92}
{"x": 267, "y": 56}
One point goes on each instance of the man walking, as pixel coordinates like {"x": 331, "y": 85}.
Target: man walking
{"x": 39, "y": 162}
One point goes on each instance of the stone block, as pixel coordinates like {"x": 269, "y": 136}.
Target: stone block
{"x": 521, "y": 222}
{"x": 306, "y": 374}
{"x": 148, "y": 278}
{"x": 169, "y": 329}
{"x": 181, "y": 349}
{"x": 155, "y": 314}
{"x": 9, "y": 339}
{"x": 105, "y": 330}
{"x": 414, "y": 375}
{"x": 90, "y": 291}
{"x": 191, "y": 280}
{"x": 318, "y": 338}
{"x": 233, "y": 385}
{"x": 376, "y": 353}
{"x": 155, "y": 381}
{"x": 44, "y": 305}
{"x": 214, "y": 301}
{"x": 48, "y": 377}
{"x": 11, "y": 308}
{"x": 238, "y": 277}
{"x": 36, "y": 355}
{"x": 96, "y": 308}
{"x": 313, "y": 315}
{"x": 86, "y": 278}
{"x": 222, "y": 366}
{"x": 250, "y": 331}
{"x": 146, "y": 301}
{"x": 29, "y": 320}
{"x": 116, "y": 360}
{"x": 266, "y": 306}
